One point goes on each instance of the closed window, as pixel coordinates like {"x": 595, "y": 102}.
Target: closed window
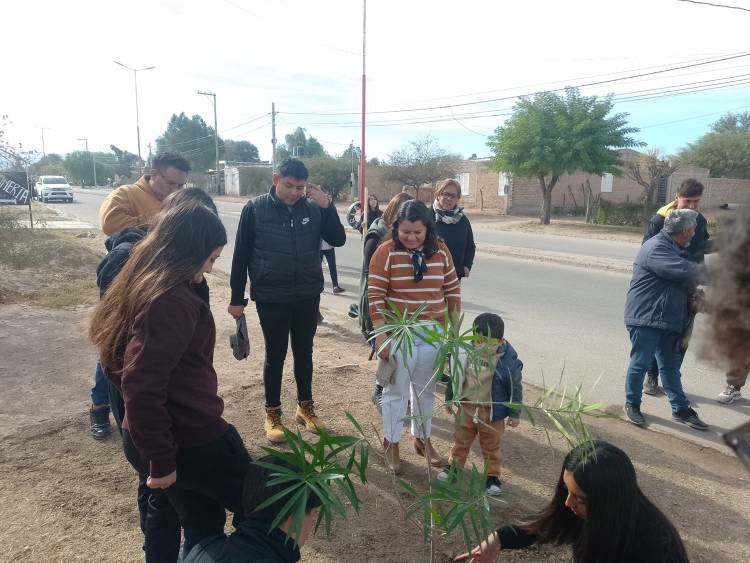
{"x": 606, "y": 183}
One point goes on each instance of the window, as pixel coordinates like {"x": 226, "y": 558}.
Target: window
{"x": 503, "y": 184}
{"x": 464, "y": 179}
{"x": 606, "y": 183}
{"x": 54, "y": 180}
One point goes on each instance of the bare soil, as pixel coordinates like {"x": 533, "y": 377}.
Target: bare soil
{"x": 66, "y": 497}
{"x": 562, "y": 226}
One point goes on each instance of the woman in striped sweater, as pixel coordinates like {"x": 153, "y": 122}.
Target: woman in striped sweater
{"x": 410, "y": 268}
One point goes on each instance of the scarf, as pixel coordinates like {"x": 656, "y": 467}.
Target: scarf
{"x": 420, "y": 266}
{"x": 448, "y": 217}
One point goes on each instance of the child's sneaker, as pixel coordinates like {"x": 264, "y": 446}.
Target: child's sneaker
{"x": 443, "y": 474}
{"x": 494, "y": 487}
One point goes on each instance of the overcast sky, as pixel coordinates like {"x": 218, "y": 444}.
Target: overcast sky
{"x": 58, "y": 71}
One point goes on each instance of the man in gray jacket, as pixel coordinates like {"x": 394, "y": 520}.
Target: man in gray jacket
{"x": 656, "y": 308}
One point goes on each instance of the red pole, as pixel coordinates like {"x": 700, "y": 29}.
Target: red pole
{"x": 362, "y": 159}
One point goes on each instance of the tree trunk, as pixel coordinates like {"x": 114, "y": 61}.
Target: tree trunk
{"x": 546, "y": 206}
{"x": 546, "y": 198}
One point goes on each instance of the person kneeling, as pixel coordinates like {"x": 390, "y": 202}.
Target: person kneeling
{"x": 252, "y": 541}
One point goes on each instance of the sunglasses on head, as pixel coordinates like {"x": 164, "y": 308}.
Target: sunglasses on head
{"x": 420, "y": 266}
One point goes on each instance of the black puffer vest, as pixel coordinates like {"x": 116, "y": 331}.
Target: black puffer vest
{"x": 285, "y": 264}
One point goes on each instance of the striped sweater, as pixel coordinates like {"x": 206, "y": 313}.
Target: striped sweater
{"x": 391, "y": 276}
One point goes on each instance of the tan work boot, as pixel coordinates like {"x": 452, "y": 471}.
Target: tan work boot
{"x": 274, "y": 428}
{"x": 306, "y": 416}
{"x": 392, "y": 456}
{"x": 425, "y": 449}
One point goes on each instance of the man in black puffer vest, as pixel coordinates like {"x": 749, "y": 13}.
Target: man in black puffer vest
{"x": 278, "y": 247}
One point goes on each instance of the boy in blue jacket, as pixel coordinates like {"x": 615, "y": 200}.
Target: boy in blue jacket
{"x": 481, "y": 397}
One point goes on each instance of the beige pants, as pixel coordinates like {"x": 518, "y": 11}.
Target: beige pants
{"x": 490, "y": 436}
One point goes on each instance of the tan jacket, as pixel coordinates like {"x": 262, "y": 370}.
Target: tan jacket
{"x": 129, "y": 206}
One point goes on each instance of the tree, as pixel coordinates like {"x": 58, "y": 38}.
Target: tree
{"x": 49, "y": 165}
{"x": 79, "y": 167}
{"x": 125, "y": 163}
{"x": 333, "y": 174}
{"x": 725, "y": 150}
{"x": 421, "y": 162}
{"x": 549, "y": 135}
{"x": 240, "y": 151}
{"x": 192, "y": 138}
{"x": 650, "y": 170}
{"x": 298, "y": 144}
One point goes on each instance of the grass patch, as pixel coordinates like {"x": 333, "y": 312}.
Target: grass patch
{"x": 46, "y": 267}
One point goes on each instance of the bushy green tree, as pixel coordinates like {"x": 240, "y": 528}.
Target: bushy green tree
{"x": 192, "y": 138}
{"x": 725, "y": 150}
{"x": 240, "y": 151}
{"x": 549, "y": 135}
{"x": 298, "y": 144}
{"x": 332, "y": 174}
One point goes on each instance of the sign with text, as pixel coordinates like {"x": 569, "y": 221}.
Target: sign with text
{"x": 16, "y": 191}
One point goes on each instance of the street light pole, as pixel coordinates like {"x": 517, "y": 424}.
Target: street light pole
{"x": 44, "y": 153}
{"x": 216, "y": 137}
{"x": 137, "y": 116}
{"x": 93, "y": 158}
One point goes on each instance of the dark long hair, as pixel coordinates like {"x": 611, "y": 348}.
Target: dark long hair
{"x": 181, "y": 240}
{"x": 617, "y": 510}
{"x": 414, "y": 210}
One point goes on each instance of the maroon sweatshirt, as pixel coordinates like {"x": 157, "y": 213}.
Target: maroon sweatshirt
{"x": 168, "y": 383}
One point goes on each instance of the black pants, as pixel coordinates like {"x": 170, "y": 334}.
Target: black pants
{"x": 279, "y": 321}
{"x": 210, "y": 479}
{"x": 159, "y": 521}
{"x": 330, "y": 255}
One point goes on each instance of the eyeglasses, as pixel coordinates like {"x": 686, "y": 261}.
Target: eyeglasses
{"x": 449, "y": 195}
{"x": 420, "y": 267}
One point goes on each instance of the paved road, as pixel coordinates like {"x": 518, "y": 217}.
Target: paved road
{"x": 559, "y": 318}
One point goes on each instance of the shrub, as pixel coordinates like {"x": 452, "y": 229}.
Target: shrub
{"x": 609, "y": 213}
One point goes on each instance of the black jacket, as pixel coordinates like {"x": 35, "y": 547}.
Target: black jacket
{"x": 459, "y": 238}
{"x": 279, "y": 249}
{"x": 250, "y": 543}
{"x": 119, "y": 246}
{"x": 699, "y": 246}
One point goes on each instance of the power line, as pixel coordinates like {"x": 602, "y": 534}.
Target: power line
{"x": 716, "y": 5}
{"x": 506, "y": 98}
{"x": 693, "y": 117}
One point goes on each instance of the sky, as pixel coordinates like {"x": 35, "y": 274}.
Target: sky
{"x": 59, "y": 75}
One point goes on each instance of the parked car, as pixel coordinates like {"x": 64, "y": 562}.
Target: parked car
{"x": 48, "y": 188}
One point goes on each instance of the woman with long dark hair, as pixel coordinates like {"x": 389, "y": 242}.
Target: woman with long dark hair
{"x": 599, "y": 510}
{"x": 155, "y": 335}
{"x": 411, "y": 269}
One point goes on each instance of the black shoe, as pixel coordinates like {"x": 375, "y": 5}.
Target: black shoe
{"x": 651, "y": 386}
{"x": 634, "y": 415}
{"x": 690, "y": 417}
{"x": 99, "y": 419}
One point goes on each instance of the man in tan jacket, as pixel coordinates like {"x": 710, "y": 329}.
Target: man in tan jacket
{"x": 135, "y": 204}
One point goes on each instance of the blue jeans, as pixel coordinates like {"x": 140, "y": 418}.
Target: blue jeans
{"x": 646, "y": 343}
{"x": 100, "y": 390}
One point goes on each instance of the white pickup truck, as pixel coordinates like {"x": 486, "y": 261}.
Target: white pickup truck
{"x": 48, "y": 188}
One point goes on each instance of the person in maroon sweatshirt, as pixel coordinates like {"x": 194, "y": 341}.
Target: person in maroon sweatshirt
{"x": 155, "y": 335}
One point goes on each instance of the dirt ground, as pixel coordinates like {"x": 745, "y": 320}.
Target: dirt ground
{"x": 66, "y": 497}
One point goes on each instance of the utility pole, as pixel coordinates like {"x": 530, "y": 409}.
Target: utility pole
{"x": 44, "y": 153}
{"x": 273, "y": 137}
{"x": 93, "y": 158}
{"x": 216, "y": 138}
{"x": 137, "y": 116}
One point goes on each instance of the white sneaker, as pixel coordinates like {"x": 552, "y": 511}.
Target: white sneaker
{"x": 729, "y": 395}
{"x": 494, "y": 487}
{"x": 443, "y": 474}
